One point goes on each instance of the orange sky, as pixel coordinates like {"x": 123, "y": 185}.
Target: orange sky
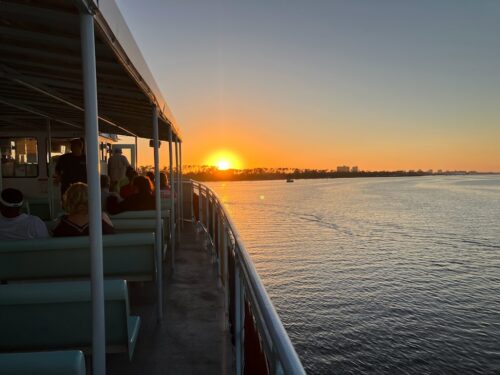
{"x": 380, "y": 85}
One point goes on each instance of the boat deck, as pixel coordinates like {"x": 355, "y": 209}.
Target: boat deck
{"x": 192, "y": 338}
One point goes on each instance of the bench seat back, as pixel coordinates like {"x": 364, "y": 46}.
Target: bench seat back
{"x": 58, "y": 315}
{"x": 67, "y": 362}
{"x": 130, "y": 256}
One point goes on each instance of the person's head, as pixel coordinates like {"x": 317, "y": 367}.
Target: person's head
{"x": 117, "y": 151}
{"x": 76, "y": 199}
{"x": 142, "y": 185}
{"x": 105, "y": 181}
{"x": 151, "y": 176}
{"x": 130, "y": 173}
{"x": 77, "y": 146}
{"x": 11, "y": 201}
{"x": 163, "y": 181}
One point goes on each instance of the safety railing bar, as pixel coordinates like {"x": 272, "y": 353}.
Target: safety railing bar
{"x": 260, "y": 322}
{"x": 282, "y": 344}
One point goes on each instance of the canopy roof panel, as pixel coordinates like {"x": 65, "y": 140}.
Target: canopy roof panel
{"x": 41, "y": 70}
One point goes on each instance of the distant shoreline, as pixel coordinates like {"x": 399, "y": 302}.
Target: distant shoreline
{"x": 253, "y": 175}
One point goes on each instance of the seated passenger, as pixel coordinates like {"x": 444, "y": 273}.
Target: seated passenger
{"x": 15, "y": 225}
{"x": 76, "y": 223}
{"x": 142, "y": 199}
{"x": 151, "y": 176}
{"x": 106, "y": 193}
{"x": 165, "y": 190}
{"x": 128, "y": 189}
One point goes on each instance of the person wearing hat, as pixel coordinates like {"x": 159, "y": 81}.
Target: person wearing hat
{"x": 117, "y": 167}
{"x": 72, "y": 167}
{"x": 15, "y": 225}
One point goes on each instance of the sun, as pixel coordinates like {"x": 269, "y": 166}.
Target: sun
{"x": 223, "y": 165}
{"x": 224, "y": 160}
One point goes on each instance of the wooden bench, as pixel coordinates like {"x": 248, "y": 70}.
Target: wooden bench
{"x": 58, "y": 315}
{"x": 129, "y": 256}
{"x": 68, "y": 362}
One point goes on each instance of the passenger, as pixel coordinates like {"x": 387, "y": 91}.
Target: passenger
{"x": 151, "y": 177}
{"x": 128, "y": 189}
{"x": 142, "y": 199}
{"x": 105, "y": 193}
{"x": 76, "y": 223}
{"x": 71, "y": 167}
{"x": 165, "y": 190}
{"x": 15, "y": 225}
{"x": 117, "y": 168}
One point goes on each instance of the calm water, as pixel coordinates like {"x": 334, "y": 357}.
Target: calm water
{"x": 380, "y": 275}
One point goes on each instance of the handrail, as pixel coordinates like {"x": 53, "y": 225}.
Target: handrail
{"x": 287, "y": 360}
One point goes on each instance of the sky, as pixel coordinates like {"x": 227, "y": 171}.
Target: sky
{"x": 384, "y": 85}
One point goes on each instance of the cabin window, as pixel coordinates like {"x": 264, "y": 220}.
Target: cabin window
{"x": 19, "y": 156}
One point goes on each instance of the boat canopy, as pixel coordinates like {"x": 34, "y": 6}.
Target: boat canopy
{"x": 41, "y": 70}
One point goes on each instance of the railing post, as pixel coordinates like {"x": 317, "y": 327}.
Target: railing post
{"x": 226, "y": 270}
{"x": 172, "y": 197}
{"x": 207, "y": 201}
{"x": 200, "y": 205}
{"x": 239, "y": 312}
{"x": 219, "y": 247}
{"x": 94, "y": 186}
{"x": 213, "y": 221}
{"x": 238, "y": 319}
{"x": 191, "y": 191}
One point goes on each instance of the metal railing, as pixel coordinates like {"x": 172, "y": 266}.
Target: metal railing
{"x": 260, "y": 341}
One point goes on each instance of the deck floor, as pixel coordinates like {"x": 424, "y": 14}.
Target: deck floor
{"x": 192, "y": 338}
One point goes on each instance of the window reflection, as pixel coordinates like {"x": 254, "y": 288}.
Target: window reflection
{"x": 19, "y": 156}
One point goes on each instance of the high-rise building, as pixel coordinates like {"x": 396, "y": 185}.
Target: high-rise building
{"x": 354, "y": 169}
{"x": 343, "y": 169}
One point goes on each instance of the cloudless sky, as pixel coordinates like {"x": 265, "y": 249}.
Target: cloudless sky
{"x": 386, "y": 84}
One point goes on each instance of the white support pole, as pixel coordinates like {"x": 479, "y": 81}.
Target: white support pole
{"x": 50, "y": 186}
{"x": 182, "y": 185}
{"x": 1, "y": 176}
{"x": 135, "y": 151}
{"x": 158, "y": 236}
{"x": 93, "y": 180}
{"x": 178, "y": 185}
{"x": 172, "y": 198}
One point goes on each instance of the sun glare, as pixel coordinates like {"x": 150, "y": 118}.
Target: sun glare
{"x": 223, "y": 165}
{"x": 224, "y": 160}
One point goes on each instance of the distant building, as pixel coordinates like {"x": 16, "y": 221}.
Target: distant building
{"x": 354, "y": 169}
{"x": 343, "y": 169}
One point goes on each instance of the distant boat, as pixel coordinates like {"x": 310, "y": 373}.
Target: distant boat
{"x": 289, "y": 180}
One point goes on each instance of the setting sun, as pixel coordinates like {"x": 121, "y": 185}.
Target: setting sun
{"x": 223, "y": 165}
{"x": 224, "y": 160}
